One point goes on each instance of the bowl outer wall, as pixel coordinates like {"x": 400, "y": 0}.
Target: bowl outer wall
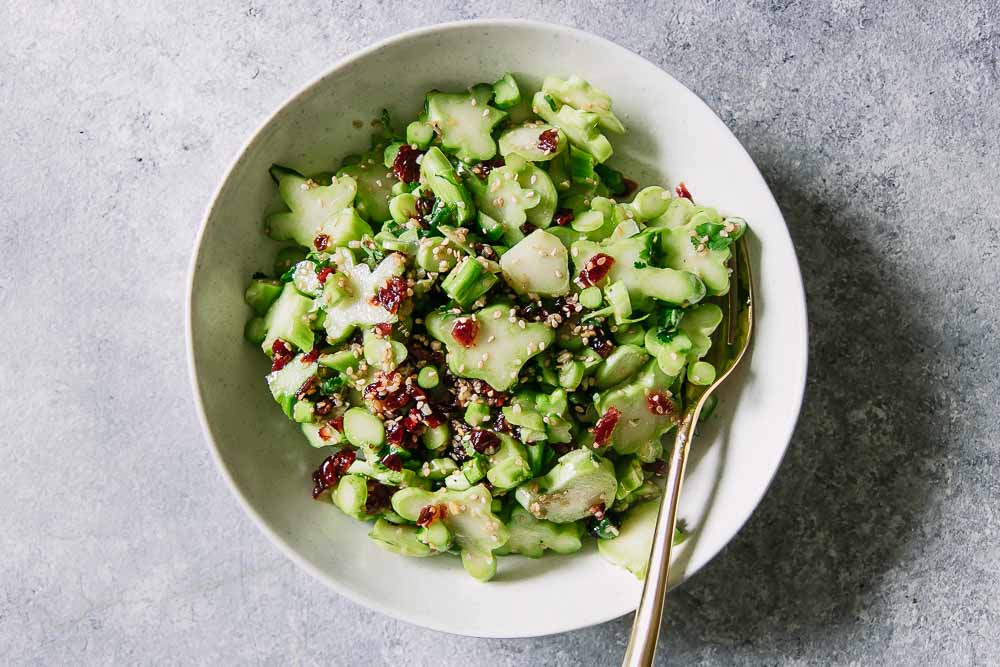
{"x": 672, "y": 136}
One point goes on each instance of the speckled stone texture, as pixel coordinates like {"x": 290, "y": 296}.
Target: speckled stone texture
{"x": 875, "y": 124}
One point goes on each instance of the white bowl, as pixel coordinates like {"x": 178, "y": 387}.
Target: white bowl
{"x": 672, "y": 136}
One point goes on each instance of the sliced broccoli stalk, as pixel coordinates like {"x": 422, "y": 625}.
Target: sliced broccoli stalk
{"x": 315, "y": 209}
{"x": 579, "y": 481}
{"x": 346, "y": 296}
{"x": 537, "y": 181}
{"x": 404, "y": 478}
{"x": 509, "y": 466}
{"x": 501, "y": 346}
{"x": 287, "y": 319}
{"x": 580, "y": 126}
{"x": 435, "y": 535}
{"x": 468, "y": 281}
{"x": 644, "y": 282}
{"x": 505, "y": 92}
{"x": 530, "y": 422}
{"x": 286, "y": 382}
{"x": 383, "y": 353}
{"x": 440, "y": 176}
{"x": 646, "y": 491}
{"x": 401, "y": 540}
{"x": 538, "y": 264}
{"x": 531, "y": 537}
{"x": 420, "y": 133}
{"x": 374, "y": 183}
{"x": 628, "y": 470}
{"x": 465, "y": 123}
{"x": 351, "y": 495}
{"x": 579, "y": 94}
{"x": 623, "y": 363}
{"x": 639, "y": 428}
{"x": 328, "y": 438}
{"x": 437, "y": 469}
{"x": 631, "y": 548}
{"x": 305, "y": 280}
{"x": 255, "y": 330}
{"x": 526, "y": 141}
{"x": 706, "y": 256}
{"x": 476, "y": 529}
{"x": 261, "y": 293}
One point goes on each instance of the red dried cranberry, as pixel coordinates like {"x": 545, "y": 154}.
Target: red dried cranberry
{"x": 484, "y": 442}
{"x": 325, "y": 432}
{"x": 657, "y": 467}
{"x": 432, "y": 420}
{"x": 281, "y": 354}
{"x": 630, "y": 187}
{"x": 378, "y": 497}
{"x": 331, "y": 470}
{"x": 394, "y": 433}
{"x": 600, "y": 343}
{"x": 337, "y": 423}
{"x": 596, "y": 269}
{"x": 312, "y": 356}
{"x": 390, "y": 296}
{"x": 605, "y": 425}
{"x": 563, "y": 217}
{"x": 548, "y": 141}
{"x": 682, "y": 191}
{"x": 323, "y": 274}
{"x": 431, "y": 513}
{"x": 659, "y": 403}
{"x": 483, "y": 169}
{"x": 383, "y": 329}
{"x": 308, "y": 387}
{"x": 405, "y": 166}
{"x": 393, "y": 462}
{"x": 323, "y": 407}
{"x": 425, "y": 205}
{"x": 597, "y": 510}
{"x": 322, "y": 242}
{"x": 527, "y": 228}
{"x": 464, "y": 331}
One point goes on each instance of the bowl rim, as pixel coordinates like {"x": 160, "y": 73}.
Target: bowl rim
{"x": 795, "y": 399}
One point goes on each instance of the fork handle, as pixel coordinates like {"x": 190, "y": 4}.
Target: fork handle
{"x": 646, "y": 626}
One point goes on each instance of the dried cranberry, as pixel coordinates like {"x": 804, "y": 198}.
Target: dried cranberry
{"x": 405, "y": 166}
{"x": 323, "y": 274}
{"x": 321, "y": 242}
{"x": 331, "y": 470}
{"x": 484, "y": 250}
{"x": 378, "y": 497}
{"x": 337, "y": 423}
{"x": 464, "y": 331}
{"x": 563, "y": 217}
{"x": 597, "y": 510}
{"x": 393, "y": 462}
{"x": 281, "y": 354}
{"x": 682, "y": 191}
{"x": 383, "y": 329}
{"x": 630, "y": 187}
{"x": 561, "y": 448}
{"x": 394, "y": 433}
{"x": 432, "y": 420}
{"x": 657, "y": 467}
{"x": 393, "y": 294}
{"x": 323, "y": 407}
{"x": 431, "y": 513}
{"x": 605, "y": 425}
{"x": 325, "y": 433}
{"x": 312, "y": 356}
{"x": 599, "y": 342}
{"x": 483, "y": 169}
{"x": 659, "y": 403}
{"x": 484, "y": 442}
{"x": 596, "y": 269}
{"x": 548, "y": 141}
{"x": 527, "y": 228}
{"x": 308, "y": 387}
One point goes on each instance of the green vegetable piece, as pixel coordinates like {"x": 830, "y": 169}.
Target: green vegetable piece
{"x": 644, "y": 282}
{"x": 420, "y": 133}
{"x": 581, "y": 165}
{"x": 374, "y": 183}
{"x": 622, "y": 364}
{"x": 671, "y": 353}
{"x": 428, "y": 377}
{"x": 339, "y": 361}
{"x": 287, "y": 258}
{"x": 399, "y": 539}
{"x": 633, "y": 334}
{"x": 261, "y": 293}
{"x": 355, "y": 288}
{"x": 482, "y": 565}
{"x": 389, "y": 154}
{"x": 438, "y": 469}
{"x": 457, "y": 481}
{"x": 436, "y": 255}
{"x": 469, "y": 517}
{"x": 373, "y": 469}
{"x": 507, "y": 345}
{"x": 505, "y": 92}
{"x": 365, "y": 430}
{"x": 648, "y": 490}
{"x": 286, "y": 382}
{"x": 538, "y": 186}
{"x": 330, "y": 436}
{"x": 437, "y": 438}
{"x": 477, "y": 413}
{"x": 539, "y": 264}
{"x": 708, "y": 408}
{"x": 474, "y": 469}
{"x": 699, "y": 323}
{"x": 305, "y": 280}
{"x": 509, "y": 466}
{"x": 440, "y": 176}
{"x": 580, "y": 480}
{"x": 464, "y": 123}
{"x": 591, "y": 297}
{"x": 701, "y": 373}
{"x": 435, "y": 535}
{"x": 631, "y": 548}
{"x": 467, "y": 282}
{"x": 526, "y": 141}
{"x": 630, "y": 476}
{"x": 255, "y": 330}
{"x": 302, "y": 412}
{"x": 571, "y": 374}
{"x": 402, "y": 207}
{"x": 315, "y": 209}
{"x": 639, "y": 428}
{"x": 579, "y": 94}
{"x": 351, "y": 495}
{"x": 287, "y": 319}
{"x": 580, "y": 126}
{"x": 684, "y": 249}
{"x": 650, "y": 203}
{"x": 383, "y": 353}
{"x": 531, "y": 537}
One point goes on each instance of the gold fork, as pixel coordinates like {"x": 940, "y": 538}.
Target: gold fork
{"x": 727, "y": 353}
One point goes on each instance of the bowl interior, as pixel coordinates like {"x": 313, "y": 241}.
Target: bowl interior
{"x": 671, "y": 136}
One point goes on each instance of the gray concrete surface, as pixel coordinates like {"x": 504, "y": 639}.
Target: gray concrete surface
{"x": 876, "y": 124}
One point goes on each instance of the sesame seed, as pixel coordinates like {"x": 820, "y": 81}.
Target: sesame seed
{"x": 486, "y": 112}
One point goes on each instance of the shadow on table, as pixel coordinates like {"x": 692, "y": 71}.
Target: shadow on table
{"x": 866, "y": 452}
